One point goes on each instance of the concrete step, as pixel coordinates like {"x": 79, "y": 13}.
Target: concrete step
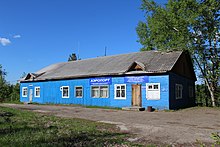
{"x": 134, "y": 108}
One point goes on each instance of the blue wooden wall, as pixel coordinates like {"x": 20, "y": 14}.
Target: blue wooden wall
{"x": 186, "y": 101}
{"x": 50, "y": 92}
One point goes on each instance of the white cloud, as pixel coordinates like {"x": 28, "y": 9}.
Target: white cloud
{"x": 4, "y": 41}
{"x": 17, "y": 36}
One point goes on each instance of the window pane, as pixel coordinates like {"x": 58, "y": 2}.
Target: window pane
{"x": 155, "y": 86}
{"x": 37, "y": 93}
{"x": 150, "y": 86}
{"x": 103, "y": 91}
{"x": 24, "y": 91}
{"x": 103, "y": 87}
{"x": 65, "y": 91}
{"x": 95, "y": 91}
{"x": 118, "y": 93}
{"x": 122, "y": 87}
{"x": 122, "y": 93}
{"x": 79, "y": 91}
{"x": 78, "y": 88}
{"x": 95, "y": 87}
{"x": 179, "y": 89}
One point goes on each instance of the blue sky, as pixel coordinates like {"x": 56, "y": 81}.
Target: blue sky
{"x": 37, "y": 33}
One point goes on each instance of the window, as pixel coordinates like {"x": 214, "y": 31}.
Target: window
{"x": 191, "y": 91}
{"x": 120, "y": 91}
{"x": 95, "y": 91}
{"x": 103, "y": 91}
{"x": 153, "y": 91}
{"x": 37, "y": 92}
{"x": 100, "y": 91}
{"x": 79, "y": 91}
{"x": 24, "y": 91}
{"x": 156, "y": 87}
{"x": 179, "y": 91}
{"x": 65, "y": 91}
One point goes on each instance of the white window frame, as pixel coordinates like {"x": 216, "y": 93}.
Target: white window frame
{"x": 68, "y": 91}
{"x": 191, "y": 91}
{"x": 152, "y": 90}
{"x": 35, "y": 91}
{"x": 179, "y": 91}
{"x": 115, "y": 91}
{"x": 107, "y": 91}
{"x": 75, "y": 91}
{"x": 23, "y": 88}
{"x": 99, "y": 91}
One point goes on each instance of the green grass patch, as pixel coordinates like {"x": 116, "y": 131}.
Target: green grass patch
{"x": 85, "y": 106}
{"x": 13, "y": 102}
{"x": 25, "y": 128}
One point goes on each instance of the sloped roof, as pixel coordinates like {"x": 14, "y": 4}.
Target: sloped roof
{"x": 153, "y": 61}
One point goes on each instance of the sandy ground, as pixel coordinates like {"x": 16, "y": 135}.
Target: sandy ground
{"x": 179, "y": 128}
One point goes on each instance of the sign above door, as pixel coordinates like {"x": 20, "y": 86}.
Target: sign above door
{"x": 136, "y": 79}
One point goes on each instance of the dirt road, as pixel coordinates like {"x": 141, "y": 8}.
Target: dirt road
{"x": 181, "y": 127}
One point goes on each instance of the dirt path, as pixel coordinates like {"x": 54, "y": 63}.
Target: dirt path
{"x": 176, "y": 128}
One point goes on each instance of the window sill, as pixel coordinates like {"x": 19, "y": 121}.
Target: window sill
{"x": 179, "y": 98}
{"x": 65, "y": 97}
{"x": 120, "y": 98}
{"x": 153, "y": 99}
{"x": 100, "y": 97}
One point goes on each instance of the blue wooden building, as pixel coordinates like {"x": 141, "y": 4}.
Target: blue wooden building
{"x": 163, "y": 80}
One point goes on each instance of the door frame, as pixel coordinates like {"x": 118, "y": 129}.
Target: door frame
{"x": 138, "y": 96}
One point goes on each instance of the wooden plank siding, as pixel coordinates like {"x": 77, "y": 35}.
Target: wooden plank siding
{"x": 50, "y": 93}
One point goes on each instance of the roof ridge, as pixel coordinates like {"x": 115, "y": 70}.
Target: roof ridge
{"x": 123, "y": 54}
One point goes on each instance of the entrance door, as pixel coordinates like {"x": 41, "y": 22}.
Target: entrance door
{"x": 136, "y": 95}
{"x": 30, "y": 95}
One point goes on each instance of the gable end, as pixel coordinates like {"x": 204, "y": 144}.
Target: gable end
{"x": 184, "y": 66}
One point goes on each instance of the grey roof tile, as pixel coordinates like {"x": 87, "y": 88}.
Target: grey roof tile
{"x": 154, "y": 62}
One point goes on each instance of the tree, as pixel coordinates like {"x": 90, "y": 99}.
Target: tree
{"x": 72, "y": 57}
{"x": 206, "y": 32}
{"x": 186, "y": 25}
{"x": 15, "y": 93}
{"x": 4, "y": 86}
{"x": 202, "y": 96}
{"x": 2, "y": 74}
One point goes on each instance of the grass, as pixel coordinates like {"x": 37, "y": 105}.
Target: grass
{"x": 13, "y": 102}
{"x": 86, "y": 106}
{"x": 25, "y": 128}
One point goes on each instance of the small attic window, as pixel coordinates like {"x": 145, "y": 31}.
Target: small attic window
{"x": 136, "y": 66}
